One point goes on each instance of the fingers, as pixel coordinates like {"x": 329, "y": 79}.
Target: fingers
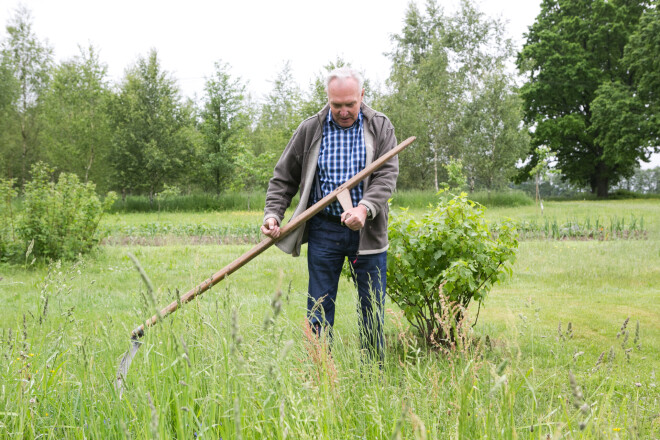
{"x": 271, "y": 228}
{"x": 354, "y": 218}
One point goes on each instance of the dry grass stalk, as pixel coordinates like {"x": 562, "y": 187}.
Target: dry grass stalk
{"x": 578, "y": 399}
{"x": 404, "y": 336}
{"x": 318, "y": 351}
{"x": 154, "y": 417}
{"x": 454, "y": 334}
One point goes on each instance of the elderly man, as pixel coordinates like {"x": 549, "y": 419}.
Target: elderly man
{"x": 326, "y": 150}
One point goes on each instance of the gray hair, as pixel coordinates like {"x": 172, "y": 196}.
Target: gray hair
{"x": 344, "y": 73}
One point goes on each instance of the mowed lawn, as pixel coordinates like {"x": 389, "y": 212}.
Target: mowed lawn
{"x": 249, "y": 371}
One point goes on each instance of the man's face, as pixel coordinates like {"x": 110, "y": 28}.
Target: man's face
{"x": 344, "y": 97}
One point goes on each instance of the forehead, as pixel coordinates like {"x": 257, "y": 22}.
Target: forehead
{"x": 343, "y": 90}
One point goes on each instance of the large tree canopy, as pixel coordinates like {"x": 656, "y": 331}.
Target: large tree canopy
{"x": 578, "y": 97}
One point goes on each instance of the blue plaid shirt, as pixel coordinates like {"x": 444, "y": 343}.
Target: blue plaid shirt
{"x": 342, "y": 155}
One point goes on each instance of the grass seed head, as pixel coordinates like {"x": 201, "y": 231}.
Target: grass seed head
{"x": 599, "y": 361}
{"x": 154, "y": 417}
{"x": 623, "y": 327}
{"x": 610, "y": 357}
{"x": 577, "y": 392}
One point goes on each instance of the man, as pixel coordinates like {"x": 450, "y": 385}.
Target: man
{"x": 325, "y": 151}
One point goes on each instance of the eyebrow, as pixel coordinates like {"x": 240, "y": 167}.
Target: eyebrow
{"x": 334, "y": 103}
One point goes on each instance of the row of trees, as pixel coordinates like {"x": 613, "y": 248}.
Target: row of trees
{"x": 449, "y": 86}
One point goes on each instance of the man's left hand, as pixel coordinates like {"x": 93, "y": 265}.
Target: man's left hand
{"x": 355, "y": 218}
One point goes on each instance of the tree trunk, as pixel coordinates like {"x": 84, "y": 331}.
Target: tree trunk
{"x": 538, "y": 196}
{"x": 89, "y": 164}
{"x": 600, "y": 183}
{"x": 24, "y": 153}
{"x": 91, "y": 155}
{"x": 435, "y": 170}
{"x": 602, "y": 187}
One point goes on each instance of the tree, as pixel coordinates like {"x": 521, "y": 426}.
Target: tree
{"x": 494, "y": 139}
{"x": 542, "y": 169}
{"x": 278, "y": 117}
{"x": 281, "y": 112}
{"x": 152, "y": 142}
{"x": 422, "y": 95}
{"x": 29, "y": 61}
{"x": 224, "y": 120}
{"x": 573, "y": 56}
{"x": 75, "y": 109}
{"x": 441, "y": 66}
{"x": 9, "y": 126}
{"x": 642, "y": 59}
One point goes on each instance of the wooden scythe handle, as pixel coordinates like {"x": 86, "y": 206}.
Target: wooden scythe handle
{"x": 268, "y": 242}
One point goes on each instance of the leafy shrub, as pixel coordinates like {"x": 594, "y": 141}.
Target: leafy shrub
{"x": 62, "y": 218}
{"x": 448, "y": 257}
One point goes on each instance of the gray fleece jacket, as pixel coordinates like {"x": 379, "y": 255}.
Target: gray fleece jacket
{"x": 296, "y": 168}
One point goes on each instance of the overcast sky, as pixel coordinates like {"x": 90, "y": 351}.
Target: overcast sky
{"x": 256, "y": 37}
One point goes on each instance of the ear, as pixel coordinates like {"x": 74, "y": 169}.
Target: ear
{"x": 362, "y": 94}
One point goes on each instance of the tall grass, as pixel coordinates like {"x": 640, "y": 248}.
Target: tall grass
{"x": 222, "y": 368}
{"x": 553, "y": 354}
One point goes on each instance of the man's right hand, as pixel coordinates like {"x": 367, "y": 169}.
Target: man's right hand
{"x": 271, "y": 228}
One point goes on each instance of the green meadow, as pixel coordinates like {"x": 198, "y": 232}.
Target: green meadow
{"x": 568, "y": 347}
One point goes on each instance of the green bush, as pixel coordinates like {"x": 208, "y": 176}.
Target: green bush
{"x": 59, "y": 220}
{"x": 448, "y": 257}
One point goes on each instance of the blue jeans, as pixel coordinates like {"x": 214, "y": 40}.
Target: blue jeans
{"x": 329, "y": 244}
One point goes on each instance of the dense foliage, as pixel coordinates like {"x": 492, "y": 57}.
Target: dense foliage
{"x": 591, "y": 97}
{"x": 450, "y": 88}
{"x": 449, "y": 255}
{"x": 590, "y": 87}
{"x": 57, "y": 220}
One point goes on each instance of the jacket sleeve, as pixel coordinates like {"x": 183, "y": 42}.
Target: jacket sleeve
{"x": 286, "y": 179}
{"x": 383, "y": 181}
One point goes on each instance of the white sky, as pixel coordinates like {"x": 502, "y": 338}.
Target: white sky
{"x": 256, "y": 37}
